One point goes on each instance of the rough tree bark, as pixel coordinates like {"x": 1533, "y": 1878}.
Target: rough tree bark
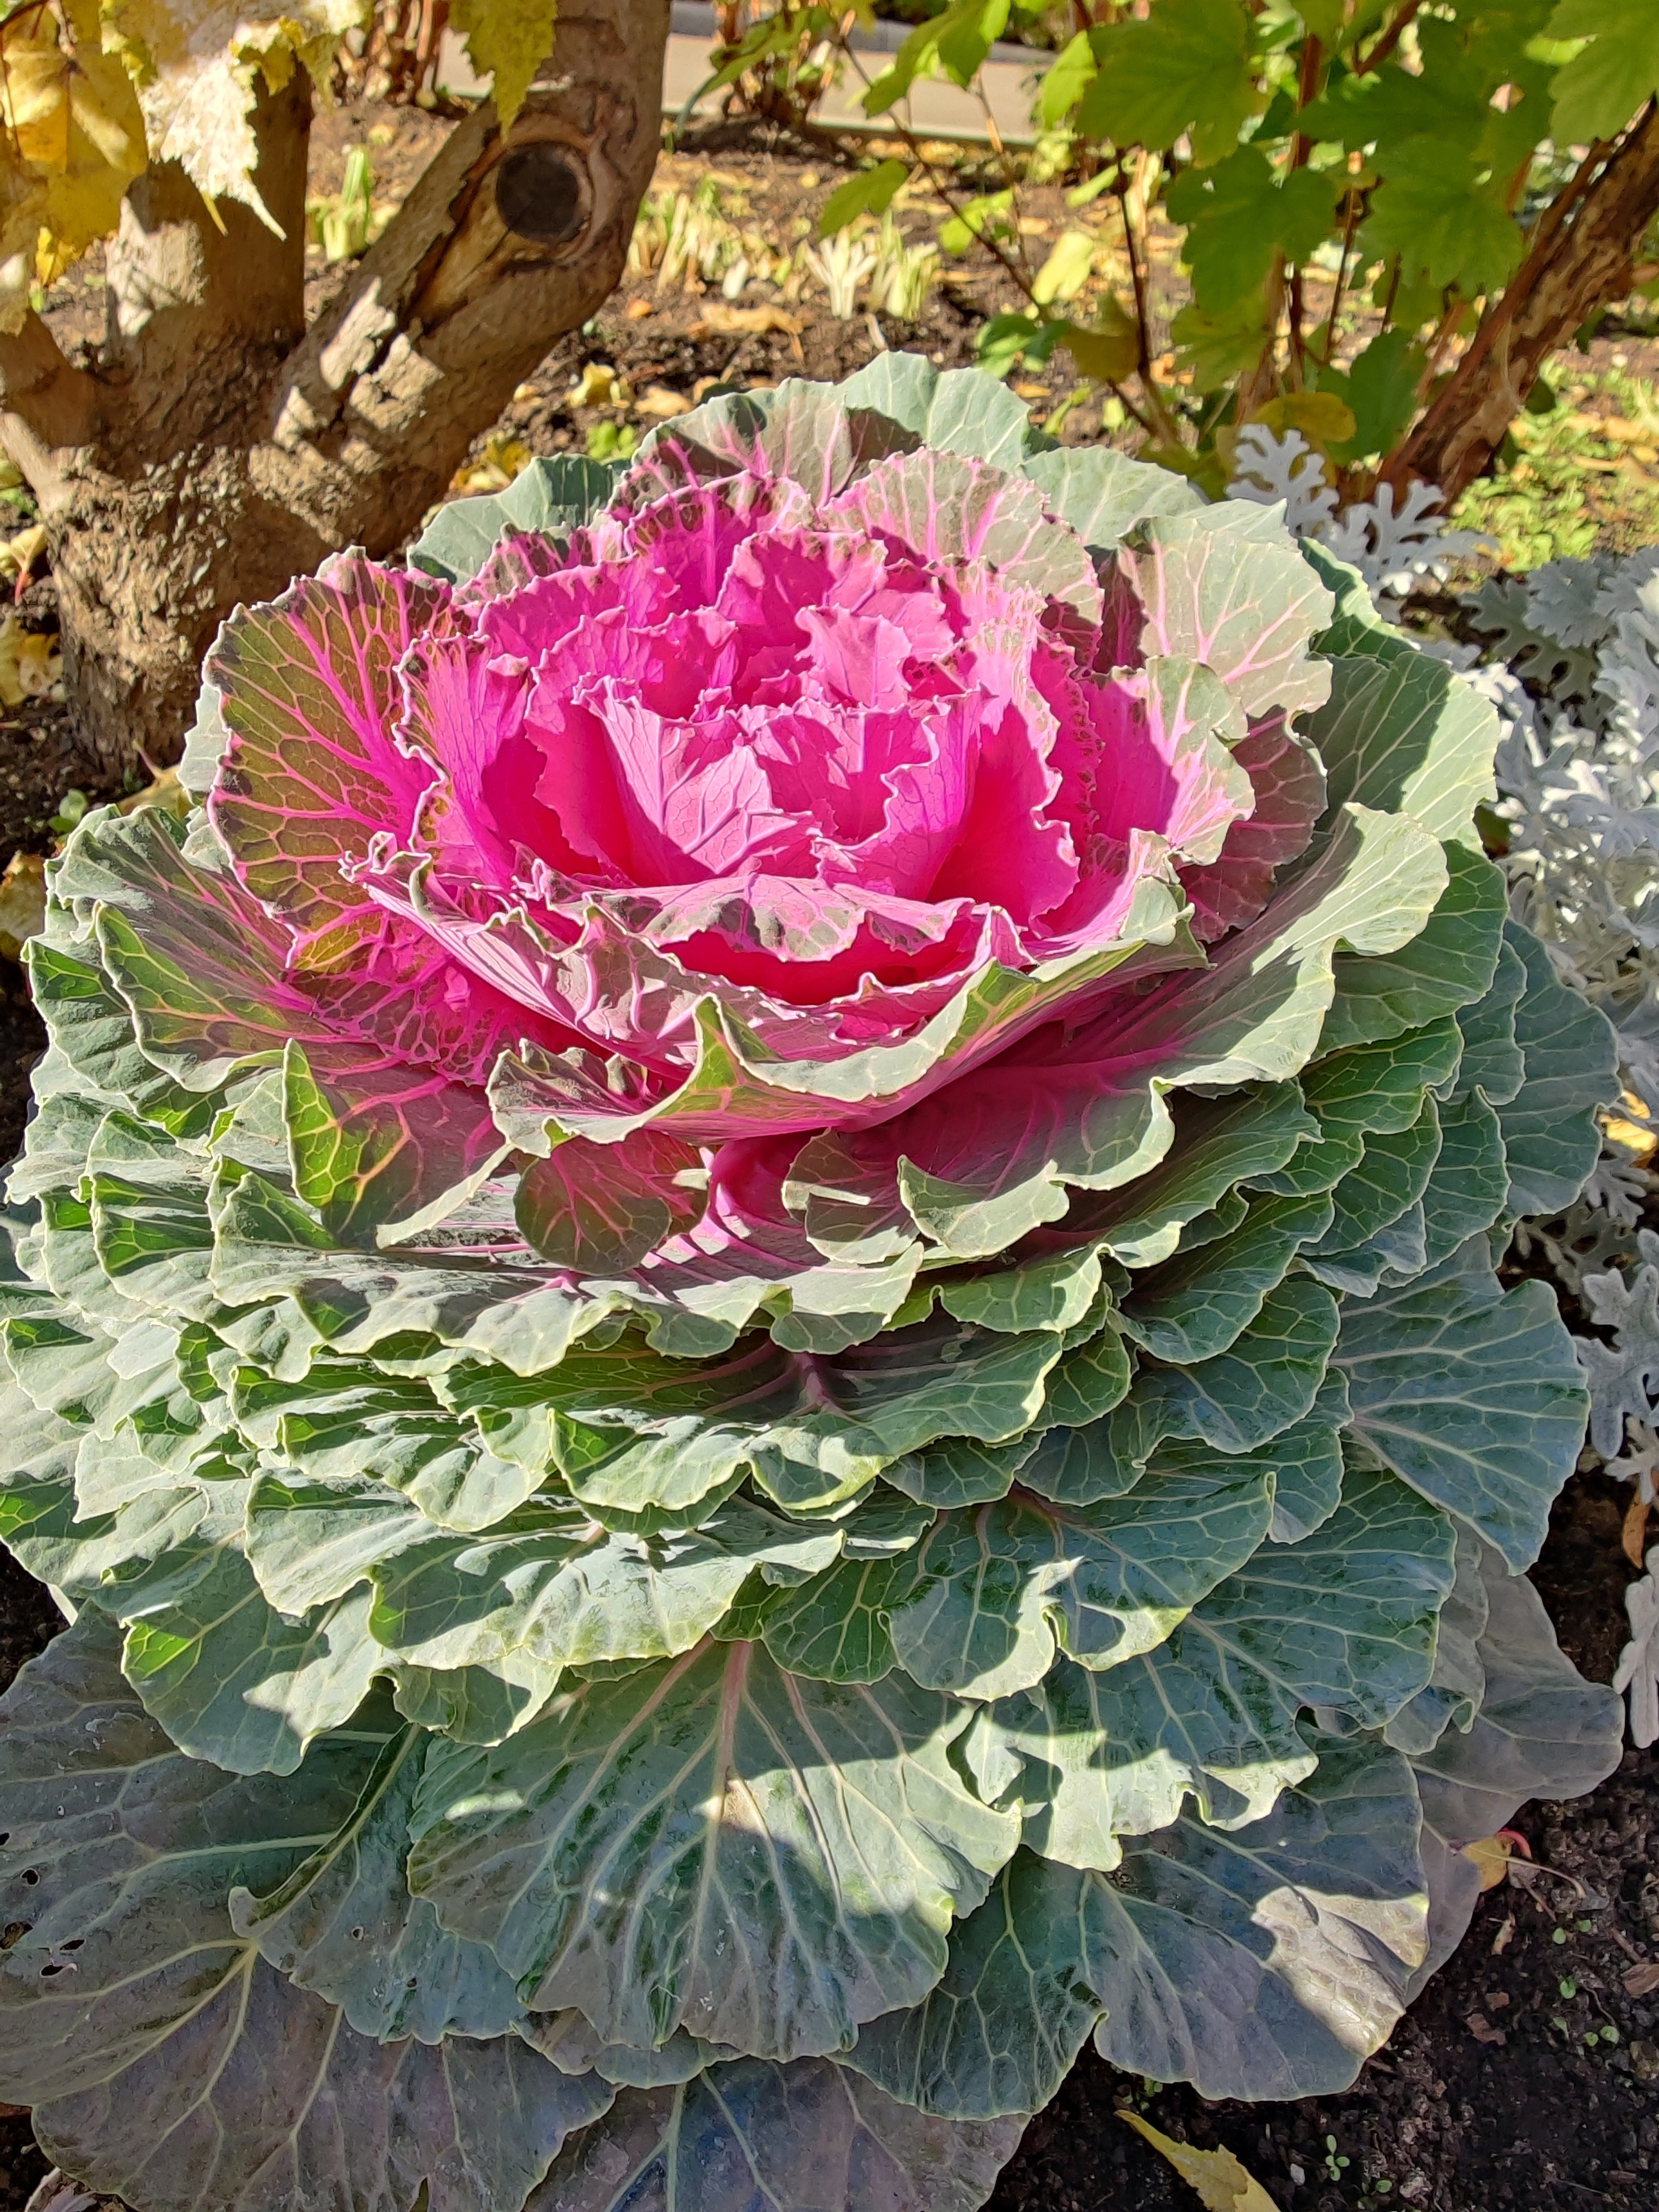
{"x": 214, "y": 447}
{"x": 1576, "y": 265}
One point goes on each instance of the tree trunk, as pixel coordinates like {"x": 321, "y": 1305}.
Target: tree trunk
{"x": 216, "y": 448}
{"x": 1580, "y": 265}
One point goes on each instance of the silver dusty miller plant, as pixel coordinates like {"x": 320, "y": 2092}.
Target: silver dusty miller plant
{"x": 1398, "y": 550}
{"x": 1573, "y": 669}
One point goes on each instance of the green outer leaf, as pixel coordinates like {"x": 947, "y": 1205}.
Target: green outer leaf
{"x": 1199, "y": 1303}
{"x": 997, "y": 1587}
{"x": 954, "y": 411}
{"x": 1344, "y": 1621}
{"x": 570, "y": 2042}
{"x": 1549, "y": 1131}
{"x": 1088, "y": 1380}
{"x": 474, "y": 1705}
{"x": 551, "y": 1583}
{"x": 1449, "y": 963}
{"x": 1391, "y": 1177}
{"x": 1471, "y": 1394}
{"x": 230, "y": 1679}
{"x": 1053, "y": 1294}
{"x": 91, "y": 1025}
{"x": 1541, "y": 1731}
{"x": 265, "y": 2097}
{"x": 1106, "y": 1756}
{"x": 1306, "y": 1462}
{"x": 1218, "y": 1144}
{"x": 346, "y": 1418}
{"x": 1105, "y": 495}
{"x": 763, "y": 1860}
{"x": 754, "y": 2137}
{"x": 549, "y": 497}
{"x": 1470, "y": 1187}
{"x": 1453, "y": 1691}
{"x": 999, "y": 2033}
{"x": 1265, "y": 1962}
{"x": 345, "y": 1924}
{"x": 1493, "y": 1063}
{"x": 1268, "y": 1378}
{"x": 835, "y": 1626}
{"x": 1272, "y": 1960}
{"x": 1404, "y": 733}
{"x": 1225, "y": 586}
{"x": 957, "y": 1471}
{"x": 119, "y": 1846}
{"x": 842, "y": 1419}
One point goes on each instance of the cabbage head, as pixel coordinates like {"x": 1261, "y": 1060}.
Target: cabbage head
{"x": 758, "y": 1328}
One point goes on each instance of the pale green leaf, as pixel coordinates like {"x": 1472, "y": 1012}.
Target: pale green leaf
{"x": 551, "y": 496}
{"x": 1550, "y": 1130}
{"x": 1471, "y": 1394}
{"x": 1272, "y": 1960}
{"x": 998, "y": 1588}
{"x": 1000, "y": 2031}
{"x": 713, "y": 1844}
{"x": 345, "y": 1924}
{"x": 770, "y": 2138}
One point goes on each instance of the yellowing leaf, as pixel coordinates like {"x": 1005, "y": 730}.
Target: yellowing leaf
{"x": 18, "y": 555}
{"x": 1491, "y": 1857}
{"x": 29, "y": 663}
{"x": 599, "y": 386}
{"x": 508, "y": 40}
{"x": 73, "y": 139}
{"x": 34, "y": 98}
{"x": 22, "y": 902}
{"x": 1222, "y": 2183}
{"x": 1109, "y": 351}
{"x": 1323, "y": 419}
{"x": 1065, "y": 271}
{"x": 197, "y": 65}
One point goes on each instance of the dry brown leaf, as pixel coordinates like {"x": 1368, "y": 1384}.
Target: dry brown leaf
{"x": 1490, "y": 1856}
{"x": 166, "y": 791}
{"x": 637, "y": 310}
{"x": 1643, "y": 1980}
{"x": 19, "y": 554}
{"x": 1222, "y": 2183}
{"x": 504, "y": 457}
{"x": 718, "y": 320}
{"x": 1505, "y": 1937}
{"x": 1634, "y": 1535}
{"x": 54, "y": 2194}
{"x": 1482, "y": 2029}
{"x": 29, "y": 662}
{"x": 22, "y": 902}
{"x": 660, "y": 403}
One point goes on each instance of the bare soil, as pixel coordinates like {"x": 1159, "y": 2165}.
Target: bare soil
{"x": 1492, "y": 2096}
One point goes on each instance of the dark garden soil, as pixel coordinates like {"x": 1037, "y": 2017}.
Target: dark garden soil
{"x": 1528, "y": 2074}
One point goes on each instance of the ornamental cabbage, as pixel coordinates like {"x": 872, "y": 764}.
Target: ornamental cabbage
{"x": 755, "y": 1330}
